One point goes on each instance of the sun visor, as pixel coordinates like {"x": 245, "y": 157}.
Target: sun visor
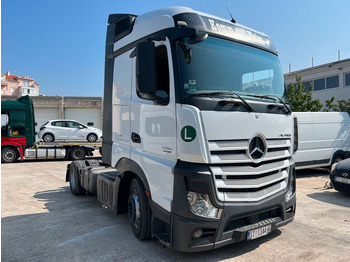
{"x": 238, "y": 33}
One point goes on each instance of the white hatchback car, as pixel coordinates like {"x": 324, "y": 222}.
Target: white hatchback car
{"x": 68, "y": 130}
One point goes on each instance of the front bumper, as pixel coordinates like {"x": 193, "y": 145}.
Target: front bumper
{"x": 340, "y": 179}
{"x": 236, "y": 219}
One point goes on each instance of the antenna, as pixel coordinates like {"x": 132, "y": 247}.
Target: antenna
{"x": 232, "y": 19}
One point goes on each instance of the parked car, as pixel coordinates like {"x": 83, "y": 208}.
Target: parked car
{"x": 324, "y": 139}
{"x": 69, "y": 130}
{"x": 340, "y": 176}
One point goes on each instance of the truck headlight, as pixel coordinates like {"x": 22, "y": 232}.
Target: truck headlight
{"x": 200, "y": 205}
{"x": 296, "y": 136}
{"x": 291, "y": 191}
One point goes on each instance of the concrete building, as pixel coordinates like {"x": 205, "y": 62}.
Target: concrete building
{"x": 13, "y": 85}
{"x": 332, "y": 79}
{"x": 82, "y": 109}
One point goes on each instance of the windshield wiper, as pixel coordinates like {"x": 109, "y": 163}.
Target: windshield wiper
{"x": 245, "y": 103}
{"x": 274, "y": 99}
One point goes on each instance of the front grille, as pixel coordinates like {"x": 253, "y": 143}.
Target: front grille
{"x": 238, "y": 178}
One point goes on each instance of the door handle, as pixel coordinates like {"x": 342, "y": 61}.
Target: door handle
{"x": 135, "y": 138}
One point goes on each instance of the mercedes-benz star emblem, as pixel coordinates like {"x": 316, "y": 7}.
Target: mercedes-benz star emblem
{"x": 257, "y": 148}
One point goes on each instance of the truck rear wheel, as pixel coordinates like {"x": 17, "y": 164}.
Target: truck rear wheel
{"x": 9, "y": 155}
{"x": 138, "y": 210}
{"x": 77, "y": 153}
{"x": 74, "y": 178}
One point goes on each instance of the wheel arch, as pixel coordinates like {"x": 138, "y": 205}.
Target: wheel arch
{"x": 344, "y": 154}
{"x": 129, "y": 170}
{"x": 48, "y": 132}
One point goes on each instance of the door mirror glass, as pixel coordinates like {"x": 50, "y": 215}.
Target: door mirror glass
{"x": 146, "y": 69}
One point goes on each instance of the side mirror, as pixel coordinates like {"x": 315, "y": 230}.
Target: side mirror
{"x": 81, "y": 127}
{"x": 146, "y": 76}
{"x": 197, "y": 38}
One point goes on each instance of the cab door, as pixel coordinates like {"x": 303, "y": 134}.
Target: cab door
{"x": 75, "y": 131}
{"x": 153, "y": 129}
{"x": 60, "y": 129}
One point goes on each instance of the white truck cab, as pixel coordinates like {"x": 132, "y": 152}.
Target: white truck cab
{"x": 197, "y": 125}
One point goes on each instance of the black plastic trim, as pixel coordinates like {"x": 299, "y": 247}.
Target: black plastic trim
{"x": 313, "y": 162}
{"x": 197, "y": 177}
{"x": 159, "y": 212}
{"x": 107, "y": 101}
{"x": 128, "y": 165}
{"x": 222, "y": 103}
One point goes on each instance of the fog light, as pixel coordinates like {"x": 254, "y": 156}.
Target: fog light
{"x": 200, "y": 205}
{"x": 198, "y": 233}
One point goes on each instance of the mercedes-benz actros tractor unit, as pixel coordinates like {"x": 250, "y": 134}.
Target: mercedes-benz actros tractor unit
{"x": 198, "y": 136}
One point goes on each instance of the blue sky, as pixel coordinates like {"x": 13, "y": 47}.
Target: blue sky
{"x": 60, "y": 43}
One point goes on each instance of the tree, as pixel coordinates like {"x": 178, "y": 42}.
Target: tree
{"x": 341, "y": 106}
{"x": 301, "y": 101}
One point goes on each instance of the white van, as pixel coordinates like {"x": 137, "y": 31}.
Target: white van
{"x": 324, "y": 138}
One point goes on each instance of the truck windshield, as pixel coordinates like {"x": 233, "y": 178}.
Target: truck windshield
{"x": 218, "y": 66}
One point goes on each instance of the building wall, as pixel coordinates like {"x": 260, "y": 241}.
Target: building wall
{"x": 327, "y": 71}
{"x": 82, "y": 109}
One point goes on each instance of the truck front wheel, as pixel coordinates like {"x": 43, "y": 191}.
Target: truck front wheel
{"x": 9, "y": 155}
{"x": 138, "y": 210}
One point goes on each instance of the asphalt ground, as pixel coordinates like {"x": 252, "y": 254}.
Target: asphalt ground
{"x": 42, "y": 221}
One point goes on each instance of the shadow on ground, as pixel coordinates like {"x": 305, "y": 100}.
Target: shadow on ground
{"x": 332, "y": 197}
{"x": 314, "y": 172}
{"x": 77, "y": 228}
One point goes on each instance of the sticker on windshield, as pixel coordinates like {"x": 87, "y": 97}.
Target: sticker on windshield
{"x": 192, "y": 86}
{"x": 188, "y": 133}
{"x": 186, "y": 88}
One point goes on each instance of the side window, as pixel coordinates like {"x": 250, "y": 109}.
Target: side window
{"x": 162, "y": 68}
{"x": 16, "y": 126}
{"x": 58, "y": 123}
{"x": 4, "y": 124}
{"x": 162, "y": 76}
{"x": 72, "y": 124}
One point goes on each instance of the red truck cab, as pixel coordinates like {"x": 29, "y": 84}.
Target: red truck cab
{"x": 17, "y": 128}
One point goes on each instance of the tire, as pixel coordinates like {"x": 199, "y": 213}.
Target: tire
{"x": 74, "y": 178}
{"x": 9, "y": 155}
{"x": 91, "y": 138}
{"x": 77, "y": 153}
{"x": 48, "y": 138}
{"x": 337, "y": 159}
{"x": 139, "y": 212}
{"x": 92, "y": 162}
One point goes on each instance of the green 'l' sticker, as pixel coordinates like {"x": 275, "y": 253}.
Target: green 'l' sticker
{"x": 188, "y": 133}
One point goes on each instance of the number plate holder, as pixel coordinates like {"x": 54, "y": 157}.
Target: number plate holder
{"x": 259, "y": 232}
{"x": 342, "y": 180}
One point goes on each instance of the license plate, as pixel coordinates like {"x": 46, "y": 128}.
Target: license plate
{"x": 259, "y": 232}
{"x": 342, "y": 179}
